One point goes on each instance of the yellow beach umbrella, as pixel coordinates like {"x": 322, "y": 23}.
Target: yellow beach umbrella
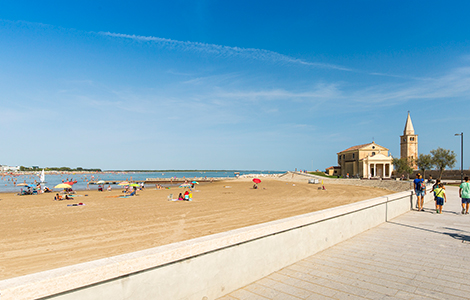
{"x": 63, "y": 186}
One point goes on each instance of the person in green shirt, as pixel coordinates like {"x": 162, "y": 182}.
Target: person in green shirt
{"x": 464, "y": 193}
{"x": 440, "y": 193}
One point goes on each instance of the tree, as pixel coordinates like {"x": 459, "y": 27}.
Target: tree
{"x": 425, "y": 162}
{"x": 442, "y": 158}
{"x": 403, "y": 166}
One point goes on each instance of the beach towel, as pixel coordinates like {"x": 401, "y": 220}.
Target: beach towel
{"x": 76, "y": 204}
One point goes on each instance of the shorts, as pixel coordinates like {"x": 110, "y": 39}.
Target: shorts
{"x": 419, "y": 193}
{"x": 465, "y": 200}
{"x": 439, "y": 201}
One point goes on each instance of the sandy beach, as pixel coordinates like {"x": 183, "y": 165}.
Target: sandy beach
{"x": 38, "y": 233}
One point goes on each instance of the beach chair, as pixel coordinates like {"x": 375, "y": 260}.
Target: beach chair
{"x": 170, "y": 197}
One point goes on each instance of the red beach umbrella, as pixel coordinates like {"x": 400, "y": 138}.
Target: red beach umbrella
{"x": 256, "y": 180}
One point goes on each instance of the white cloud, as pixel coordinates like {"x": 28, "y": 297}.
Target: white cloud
{"x": 454, "y": 84}
{"x": 225, "y": 51}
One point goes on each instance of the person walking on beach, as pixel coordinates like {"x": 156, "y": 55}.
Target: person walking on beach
{"x": 420, "y": 191}
{"x": 464, "y": 193}
{"x": 440, "y": 197}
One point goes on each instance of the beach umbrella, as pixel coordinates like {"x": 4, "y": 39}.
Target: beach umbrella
{"x": 185, "y": 185}
{"x": 100, "y": 182}
{"x": 195, "y": 182}
{"x": 123, "y": 183}
{"x": 22, "y": 184}
{"x": 134, "y": 184}
{"x": 63, "y": 186}
{"x": 70, "y": 182}
{"x": 256, "y": 180}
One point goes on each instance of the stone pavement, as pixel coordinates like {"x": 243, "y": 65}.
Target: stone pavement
{"x": 419, "y": 255}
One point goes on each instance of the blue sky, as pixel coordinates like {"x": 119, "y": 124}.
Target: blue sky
{"x": 269, "y": 85}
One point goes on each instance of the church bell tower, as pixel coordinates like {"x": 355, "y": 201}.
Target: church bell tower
{"x": 409, "y": 143}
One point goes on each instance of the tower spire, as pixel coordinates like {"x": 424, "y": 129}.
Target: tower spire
{"x": 408, "y": 126}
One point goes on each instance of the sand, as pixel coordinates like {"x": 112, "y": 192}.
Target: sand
{"x": 38, "y": 233}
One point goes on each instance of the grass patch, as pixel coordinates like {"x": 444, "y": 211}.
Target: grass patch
{"x": 321, "y": 174}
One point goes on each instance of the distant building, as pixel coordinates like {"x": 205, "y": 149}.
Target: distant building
{"x": 409, "y": 143}
{"x": 4, "y": 168}
{"x": 366, "y": 161}
{"x": 333, "y": 171}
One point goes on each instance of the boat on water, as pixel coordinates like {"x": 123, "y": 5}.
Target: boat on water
{"x": 42, "y": 178}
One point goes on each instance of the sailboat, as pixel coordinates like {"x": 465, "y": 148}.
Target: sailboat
{"x": 42, "y": 177}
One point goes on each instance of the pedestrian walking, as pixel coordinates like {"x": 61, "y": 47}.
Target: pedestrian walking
{"x": 435, "y": 186}
{"x": 440, "y": 197}
{"x": 464, "y": 194}
{"x": 420, "y": 191}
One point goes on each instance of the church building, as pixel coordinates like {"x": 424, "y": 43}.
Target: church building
{"x": 409, "y": 143}
{"x": 374, "y": 161}
{"x": 366, "y": 161}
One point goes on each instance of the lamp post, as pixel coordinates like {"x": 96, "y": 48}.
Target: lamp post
{"x": 461, "y": 155}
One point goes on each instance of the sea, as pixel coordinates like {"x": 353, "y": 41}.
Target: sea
{"x": 7, "y": 181}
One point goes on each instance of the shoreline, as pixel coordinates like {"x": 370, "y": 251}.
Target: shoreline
{"x": 92, "y": 181}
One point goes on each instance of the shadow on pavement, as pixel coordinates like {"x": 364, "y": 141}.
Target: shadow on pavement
{"x": 461, "y": 237}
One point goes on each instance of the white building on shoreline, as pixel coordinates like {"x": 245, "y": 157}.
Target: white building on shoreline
{"x": 5, "y": 168}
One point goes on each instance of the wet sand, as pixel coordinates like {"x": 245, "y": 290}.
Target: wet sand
{"x": 38, "y": 233}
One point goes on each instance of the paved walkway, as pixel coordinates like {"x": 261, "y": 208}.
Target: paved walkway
{"x": 419, "y": 255}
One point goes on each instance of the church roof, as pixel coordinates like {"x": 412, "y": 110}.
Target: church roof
{"x": 363, "y": 146}
{"x": 356, "y": 147}
{"x": 408, "y": 126}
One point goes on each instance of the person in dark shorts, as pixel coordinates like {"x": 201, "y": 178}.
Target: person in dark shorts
{"x": 440, "y": 197}
{"x": 435, "y": 186}
{"x": 464, "y": 193}
{"x": 420, "y": 191}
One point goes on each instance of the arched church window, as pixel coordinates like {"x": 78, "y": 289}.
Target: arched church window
{"x": 412, "y": 138}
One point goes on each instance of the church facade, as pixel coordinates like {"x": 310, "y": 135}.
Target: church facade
{"x": 366, "y": 161}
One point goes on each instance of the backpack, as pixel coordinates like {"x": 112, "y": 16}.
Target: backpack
{"x": 421, "y": 186}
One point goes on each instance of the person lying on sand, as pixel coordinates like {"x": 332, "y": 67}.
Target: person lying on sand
{"x": 59, "y": 197}
{"x": 134, "y": 192}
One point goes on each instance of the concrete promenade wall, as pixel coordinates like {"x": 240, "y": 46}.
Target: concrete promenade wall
{"x": 212, "y": 266}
